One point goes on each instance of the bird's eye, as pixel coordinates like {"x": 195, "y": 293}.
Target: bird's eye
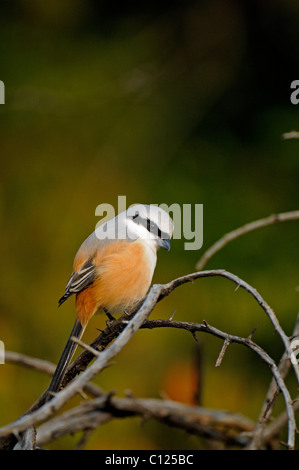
{"x": 135, "y": 216}
{"x": 153, "y": 228}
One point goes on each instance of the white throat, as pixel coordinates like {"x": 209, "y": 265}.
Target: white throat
{"x": 147, "y": 239}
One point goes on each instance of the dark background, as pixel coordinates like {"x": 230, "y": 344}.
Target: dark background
{"x": 180, "y": 102}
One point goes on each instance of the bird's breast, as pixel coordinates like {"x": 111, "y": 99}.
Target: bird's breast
{"x": 124, "y": 274}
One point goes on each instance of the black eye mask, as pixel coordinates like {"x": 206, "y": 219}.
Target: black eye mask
{"x": 150, "y": 226}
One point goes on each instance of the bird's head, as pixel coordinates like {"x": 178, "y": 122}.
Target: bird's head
{"x": 150, "y": 223}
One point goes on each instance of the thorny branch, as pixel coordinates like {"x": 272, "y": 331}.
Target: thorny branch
{"x": 104, "y": 407}
{"x": 239, "y": 232}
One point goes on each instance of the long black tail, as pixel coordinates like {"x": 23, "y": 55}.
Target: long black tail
{"x": 64, "y": 360}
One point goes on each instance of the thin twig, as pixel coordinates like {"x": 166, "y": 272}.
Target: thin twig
{"x": 85, "y": 346}
{"x": 240, "y": 231}
{"x": 30, "y": 362}
{"x": 222, "y": 352}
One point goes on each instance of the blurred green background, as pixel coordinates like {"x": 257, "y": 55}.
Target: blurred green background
{"x": 173, "y": 102}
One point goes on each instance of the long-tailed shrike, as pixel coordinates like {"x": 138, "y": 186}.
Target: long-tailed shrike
{"x": 113, "y": 270}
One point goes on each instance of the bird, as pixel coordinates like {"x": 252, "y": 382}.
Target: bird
{"x": 113, "y": 270}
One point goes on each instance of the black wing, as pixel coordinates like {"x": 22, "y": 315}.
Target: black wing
{"x": 79, "y": 281}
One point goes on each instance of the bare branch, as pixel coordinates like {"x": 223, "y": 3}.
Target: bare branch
{"x": 122, "y": 332}
{"x": 205, "y": 327}
{"x": 72, "y": 421}
{"x": 86, "y": 346}
{"x": 30, "y": 362}
{"x": 27, "y": 441}
{"x": 115, "y": 328}
{"x": 290, "y": 135}
{"x": 214, "y": 424}
{"x": 272, "y": 394}
{"x": 239, "y": 232}
{"x": 49, "y": 408}
{"x": 168, "y": 288}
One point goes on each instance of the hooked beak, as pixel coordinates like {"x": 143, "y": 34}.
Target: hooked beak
{"x": 164, "y": 243}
